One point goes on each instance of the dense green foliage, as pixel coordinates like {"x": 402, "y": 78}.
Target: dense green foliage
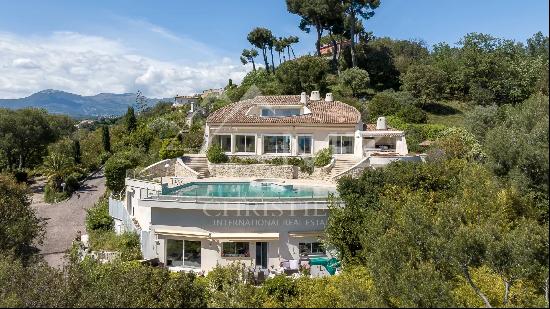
{"x": 98, "y": 218}
{"x": 215, "y": 154}
{"x": 322, "y": 157}
{"x": 20, "y": 227}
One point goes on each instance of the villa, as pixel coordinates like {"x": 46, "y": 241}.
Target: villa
{"x": 192, "y": 214}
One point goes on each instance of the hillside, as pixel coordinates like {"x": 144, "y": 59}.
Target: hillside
{"x": 55, "y": 101}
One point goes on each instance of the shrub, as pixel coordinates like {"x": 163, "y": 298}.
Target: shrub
{"x": 412, "y": 114}
{"x": 281, "y": 289}
{"x": 98, "y": 218}
{"x": 401, "y": 103}
{"x": 215, "y": 154}
{"x": 51, "y": 195}
{"x": 115, "y": 172}
{"x": 127, "y": 243}
{"x": 71, "y": 183}
{"x": 21, "y": 176}
{"x": 170, "y": 148}
{"x": 323, "y": 157}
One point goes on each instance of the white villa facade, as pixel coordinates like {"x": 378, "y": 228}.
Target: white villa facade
{"x": 193, "y": 222}
{"x": 300, "y": 126}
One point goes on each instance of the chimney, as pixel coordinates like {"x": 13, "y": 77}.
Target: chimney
{"x": 328, "y": 97}
{"x": 303, "y": 98}
{"x": 315, "y": 96}
{"x": 381, "y": 123}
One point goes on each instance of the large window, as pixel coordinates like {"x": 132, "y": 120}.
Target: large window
{"x": 245, "y": 143}
{"x": 304, "y": 144}
{"x": 236, "y": 249}
{"x": 183, "y": 253}
{"x": 311, "y": 248}
{"x": 276, "y": 144}
{"x": 280, "y": 112}
{"x": 224, "y": 141}
{"x": 174, "y": 252}
{"x": 341, "y": 144}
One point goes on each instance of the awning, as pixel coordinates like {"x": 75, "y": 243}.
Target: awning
{"x": 305, "y": 234}
{"x": 245, "y": 236}
{"x": 180, "y": 231}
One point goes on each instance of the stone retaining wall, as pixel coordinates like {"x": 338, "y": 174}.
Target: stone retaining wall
{"x": 253, "y": 170}
{"x": 159, "y": 169}
{"x": 182, "y": 170}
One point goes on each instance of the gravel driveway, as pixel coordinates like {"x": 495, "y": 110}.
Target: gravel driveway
{"x": 66, "y": 218}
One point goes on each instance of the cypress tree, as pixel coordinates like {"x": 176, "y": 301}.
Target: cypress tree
{"x": 131, "y": 121}
{"x": 106, "y": 139}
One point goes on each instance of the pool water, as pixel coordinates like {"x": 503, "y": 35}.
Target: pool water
{"x": 247, "y": 189}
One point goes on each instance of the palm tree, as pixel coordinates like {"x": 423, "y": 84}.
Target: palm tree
{"x": 56, "y": 166}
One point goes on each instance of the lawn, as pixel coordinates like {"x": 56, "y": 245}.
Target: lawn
{"x": 448, "y": 113}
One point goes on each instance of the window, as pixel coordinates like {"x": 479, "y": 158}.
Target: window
{"x": 280, "y": 112}
{"x": 304, "y": 144}
{"x": 224, "y": 141}
{"x": 276, "y": 144}
{"x": 341, "y": 144}
{"x": 174, "y": 252}
{"x": 245, "y": 143}
{"x": 311, "y": 248}
{"x": 235, "y": 249}
{"x": 183, "y": 253}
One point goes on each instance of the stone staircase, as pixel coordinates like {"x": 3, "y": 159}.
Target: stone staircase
{"x": 341, "y": 165}
{"x": 197, "y": 163}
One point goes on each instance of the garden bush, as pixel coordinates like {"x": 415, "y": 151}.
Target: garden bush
{"x": 323, "y": 157}
{"x": 216, "y": 155}
{"x": 98, "y": 218}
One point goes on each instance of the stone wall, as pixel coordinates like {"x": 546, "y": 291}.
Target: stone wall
{"x": 253, "y": 170}
{"x": 159, "y": 169}
{"x": 182, "y": 170}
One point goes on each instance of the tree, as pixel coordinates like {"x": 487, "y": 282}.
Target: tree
{"x": 261, "y": 38}
{"x": 106, "y": 138}
{"x": 280, "y": 46}
{"x": 115, "y": 173}
{"x": 248, "y": 55}
{"x": 354, "y": 9}
{"x": 77, "y": 153}
{"x": 289, "y": 41}
{"x": 316, "y": 13}
{"x": 355, "y": 79}
{"x": 130, "y": 119}
{"x": 59, "y": 163}
{"x": 21, "y": 230}
{"x": 425, "y": 82}
{"x": 24, "y": 136}
{"x": 306, "y": 73}
{"x": 141, "y": 102}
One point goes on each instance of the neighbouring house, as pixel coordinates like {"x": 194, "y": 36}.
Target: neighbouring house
{"x": 215, "y": 91}
{"x": 182, "y": 100}
{"x": 193, "y": 215}
{"x": 326, "y": 50}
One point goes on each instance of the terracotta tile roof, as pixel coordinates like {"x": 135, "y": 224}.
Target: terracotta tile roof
{"x": 322, "y": 112}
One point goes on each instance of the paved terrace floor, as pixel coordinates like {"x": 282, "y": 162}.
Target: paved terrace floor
{"x": 64, "y": 219}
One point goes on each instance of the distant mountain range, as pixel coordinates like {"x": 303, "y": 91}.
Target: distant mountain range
{"x": 60, "y": 102}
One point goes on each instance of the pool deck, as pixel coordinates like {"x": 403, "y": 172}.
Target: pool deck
{"x": 296, "y": 182}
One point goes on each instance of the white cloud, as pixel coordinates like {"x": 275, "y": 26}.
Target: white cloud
{"x": 88, "y": 65}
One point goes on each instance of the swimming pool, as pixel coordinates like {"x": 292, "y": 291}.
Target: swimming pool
{"x": 248, "y": 190}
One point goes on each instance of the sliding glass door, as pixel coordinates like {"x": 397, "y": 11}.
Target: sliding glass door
{"x": 341, "y": 144}
{"x": 183, "y": 253}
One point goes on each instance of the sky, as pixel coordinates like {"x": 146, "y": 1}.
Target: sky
{"x": 164, "y": 48}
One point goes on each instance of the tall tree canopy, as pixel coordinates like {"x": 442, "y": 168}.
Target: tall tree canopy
{"x": 261, "y": 38}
